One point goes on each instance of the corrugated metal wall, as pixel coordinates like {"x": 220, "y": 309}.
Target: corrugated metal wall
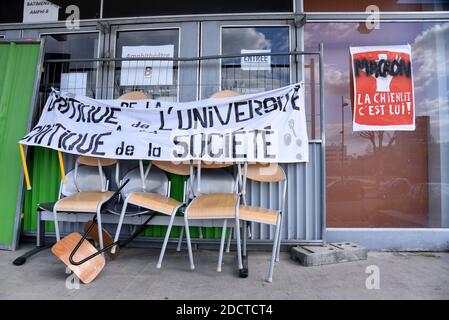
{"x": 302, "y": 218}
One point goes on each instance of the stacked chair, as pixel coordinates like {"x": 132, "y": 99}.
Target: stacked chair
{"x": 215, "y": 195}
{"x": 150, "y": 188}
{"x": 153, "y": 194}
{"x": 85, "y": 190}
{"x": 272, "y": 174}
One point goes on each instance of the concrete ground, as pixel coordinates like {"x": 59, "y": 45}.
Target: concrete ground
{"x": 134, "y": 276}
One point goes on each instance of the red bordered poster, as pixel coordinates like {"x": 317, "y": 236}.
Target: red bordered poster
{"x": 383, "y": 88}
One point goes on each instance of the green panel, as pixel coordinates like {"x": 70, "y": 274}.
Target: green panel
{"x": 45, "y": 179}
{"x": 18, "y": 64}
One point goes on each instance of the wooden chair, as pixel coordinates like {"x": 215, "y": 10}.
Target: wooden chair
{"x": 89, "y": 270}
{"x": 264, "y": 173}
{"x": 85, "y": 192}
{"x": 154, "y": 194}
{"x": 215, "y": 194}
{"x": 148, "y": 195}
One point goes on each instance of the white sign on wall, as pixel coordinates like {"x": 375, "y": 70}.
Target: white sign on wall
{"x": 256, "y": 62}
{"x": 39, "y": 11}
{"x": 74, "y": 82}
{"x": 147, "y": 72}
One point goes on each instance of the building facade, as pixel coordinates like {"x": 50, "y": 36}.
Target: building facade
{"x": 385, "y": 190}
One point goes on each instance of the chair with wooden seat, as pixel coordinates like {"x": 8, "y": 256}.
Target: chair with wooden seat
{"x": 152, "y": 191}
{"x": 273, "y": 174}
{"x": 215, "y": 195}
{"x": 90, "y": 197}
{"x": 85, "y": 190}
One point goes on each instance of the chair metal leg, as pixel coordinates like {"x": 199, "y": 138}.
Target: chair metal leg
{"x": 228, "y": 246}
{"x": 100, "y": 229}
{"x": 181, "y": 234}
{"x": 167, "y": 235}
{"x": 239, "y": 247}
{"x": 189, "y": 244}
{"x": 222, "y": 242}
{"x": 279, "y": 242}
{"x": 274, "y": 251}
{"x": 245, "y": 235}
{"x": 55, "y": 218}
{"x": 119, "y": 226}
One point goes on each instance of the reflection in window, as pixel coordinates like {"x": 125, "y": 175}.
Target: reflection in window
{"x": 386, "y": 179}
{"x": 74, "y": 77}
{"x": 158, "y": 79}
{"x": 256, "y": 73}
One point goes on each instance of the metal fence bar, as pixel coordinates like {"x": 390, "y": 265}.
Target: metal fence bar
{"x": 211, "y": 57}
{"x": 305, "y": 210}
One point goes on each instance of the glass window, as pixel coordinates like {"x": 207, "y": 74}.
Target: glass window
{"x": 157, "y": 78}
{"x": 386, "y": 179}
{"x": 77, "y": 77}
{"x": 256, "y": 73}
{"x": 383, "y": 5}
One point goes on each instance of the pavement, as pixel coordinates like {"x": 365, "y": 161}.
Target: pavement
{"x": 393, "y": 275}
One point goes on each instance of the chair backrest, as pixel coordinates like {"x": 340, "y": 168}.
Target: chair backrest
{"x": 211, "y": 177}
{"x": 212, "y": 165}
{"x": 133, "y": 95}
{"x": 95, "y": 162}
{"x": 269, "y": 172}
{"x": 156, "y": 181}
{"x": 266, "y": 173}
{"x": 139, "y": 172}
{"x": 207, "y": 181}
{"x": 87, "y": 177}
{"x": 224, "y": 94}
{"x": 182, "y": 169}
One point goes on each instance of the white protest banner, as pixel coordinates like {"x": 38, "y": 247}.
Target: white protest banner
{"x": 263, "y": 127}
{"x": 258, "y": 62}
{"x": 39, "y": 11}
{"x": 147, "y": 72}
{"x": 383, "y": 88}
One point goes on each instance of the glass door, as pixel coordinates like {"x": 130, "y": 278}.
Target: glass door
{"x": 157, "y": 73}
{"x": 69, "y": 61}
{"x": 247, "y": 74}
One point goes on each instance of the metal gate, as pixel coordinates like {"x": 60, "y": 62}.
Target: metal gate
{"x": 304, "y": 217}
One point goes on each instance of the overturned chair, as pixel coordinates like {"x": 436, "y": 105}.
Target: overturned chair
{"x": 85, "y": 190}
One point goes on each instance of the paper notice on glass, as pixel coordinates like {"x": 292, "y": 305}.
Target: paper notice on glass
{"x": 39, "y": 11}
{"x": 147, "y": 72}
{"x": 258, "y": 62}
{"x": 74, "y": 82}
